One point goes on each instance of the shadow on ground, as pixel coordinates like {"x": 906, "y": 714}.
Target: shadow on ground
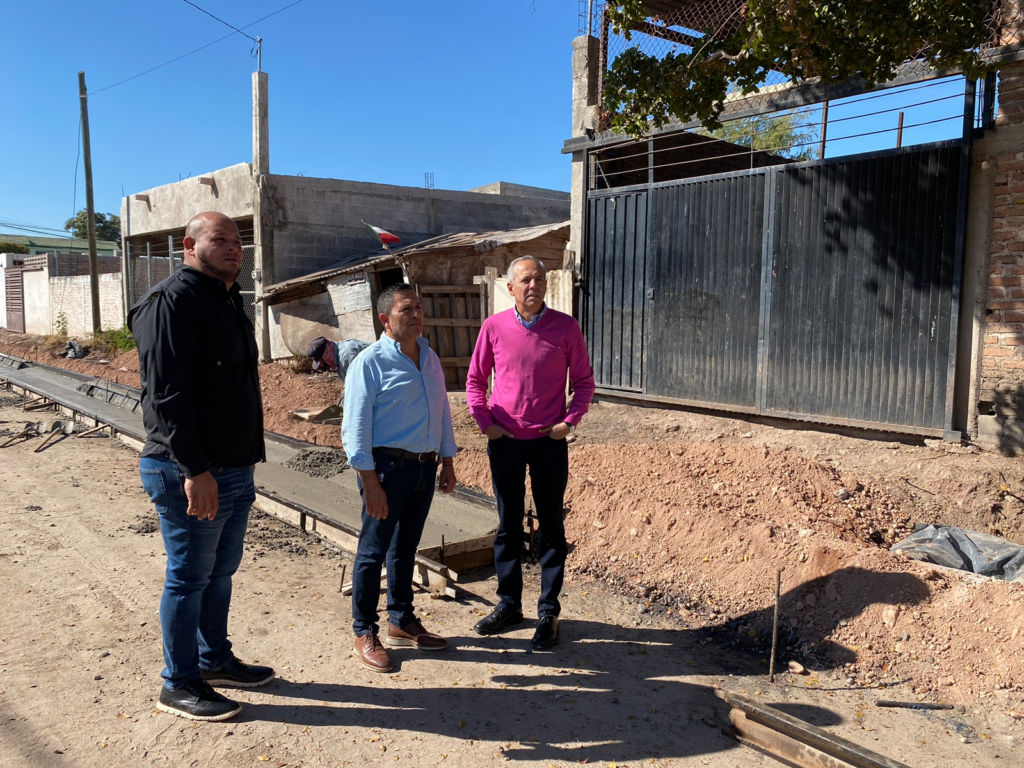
{"x": 610, "y": 693}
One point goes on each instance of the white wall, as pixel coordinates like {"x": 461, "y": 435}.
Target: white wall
{"x": 37, "y": 302}
{"x": 343, "y": 311}
{"x": 73, "y": 297}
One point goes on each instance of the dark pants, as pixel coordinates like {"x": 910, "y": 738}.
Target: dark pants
{"x": 409, "y": 485}
{"x": 202, "y": 556}
{"x": 548, "y": 460}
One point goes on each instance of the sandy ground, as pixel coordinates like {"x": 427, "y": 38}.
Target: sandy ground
{"x": 81, "y": 572}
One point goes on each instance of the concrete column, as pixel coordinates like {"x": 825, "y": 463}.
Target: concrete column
{"x": 263, "y": 213}
{"x": 585, "y": 50}
{"x": 260, "y": 124}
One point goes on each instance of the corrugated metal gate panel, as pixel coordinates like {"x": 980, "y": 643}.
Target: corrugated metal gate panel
{"x": 705, "y": 275}
{"x": 862, "y": 256}
{"x": 822, "y": 291}
{"x": 615, "y": 304}
{"x": 14, "y": 298}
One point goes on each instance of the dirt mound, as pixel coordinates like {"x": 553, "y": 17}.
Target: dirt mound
{"x": 284, "y": 392}
{"x": 698, "y": 530}
{"x": 144, "y": 524}
{"x": 123, "y": 369}
{"x": 318, "y": 463}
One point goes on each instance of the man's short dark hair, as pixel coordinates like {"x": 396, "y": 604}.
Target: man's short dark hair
{"x": 386, "y": 300}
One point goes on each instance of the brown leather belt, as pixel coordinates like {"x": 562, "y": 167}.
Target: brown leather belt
{"x": 402, "y": 454}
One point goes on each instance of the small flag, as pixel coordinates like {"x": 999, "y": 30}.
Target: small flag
{"x": 385, "y": 237}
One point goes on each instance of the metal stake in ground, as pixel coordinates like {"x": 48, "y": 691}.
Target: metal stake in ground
{"x": 775, "y": 626}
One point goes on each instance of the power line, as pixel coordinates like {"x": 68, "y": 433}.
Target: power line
{"x": 189, "y": 2}
{"x": 39, "y": 231}
{"x": 197, "y": 50}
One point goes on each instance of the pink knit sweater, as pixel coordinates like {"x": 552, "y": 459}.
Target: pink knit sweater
{"x": 530, "y": 369}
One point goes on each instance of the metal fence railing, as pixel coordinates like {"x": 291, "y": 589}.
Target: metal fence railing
{"x": 681, "y": 26}
{"x": 152, "y": 259}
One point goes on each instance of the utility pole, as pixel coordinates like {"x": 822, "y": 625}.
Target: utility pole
{"x": 90, "y": 212}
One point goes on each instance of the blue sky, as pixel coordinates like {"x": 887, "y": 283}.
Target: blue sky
{"x": 474, "y": 91}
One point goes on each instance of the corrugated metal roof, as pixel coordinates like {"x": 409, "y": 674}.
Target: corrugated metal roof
{"x": 466, "y": 242}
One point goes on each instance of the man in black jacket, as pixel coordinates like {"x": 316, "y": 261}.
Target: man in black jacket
{"x": 204, "y": 428}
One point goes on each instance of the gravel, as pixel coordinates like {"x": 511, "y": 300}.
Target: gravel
{"x": 318, "y": 463}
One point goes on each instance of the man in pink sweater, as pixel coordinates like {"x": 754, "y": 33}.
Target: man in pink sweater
{"x": 531, "y": 349}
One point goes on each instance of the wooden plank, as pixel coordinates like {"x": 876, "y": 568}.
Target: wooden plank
{"x": 455, "y": 362}
{"x": 448, "y": 289}
{"x": 451, "y": 322}
{"x": 458, "y": 547}
{"x": 463, "y": 341}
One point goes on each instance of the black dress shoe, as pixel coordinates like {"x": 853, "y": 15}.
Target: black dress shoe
{"x": 547, "y": 632}
{"x": 497, "y": 620}
{"x": 196, "y": 700}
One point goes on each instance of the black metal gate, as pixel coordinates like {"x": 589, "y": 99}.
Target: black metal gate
{"x": 823, "y": 291}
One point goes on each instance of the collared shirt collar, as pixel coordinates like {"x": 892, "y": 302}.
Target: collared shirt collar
{"x": 393, "y": 343}
{"x": 528, "y": 324}
{"x": 209, "y": 281}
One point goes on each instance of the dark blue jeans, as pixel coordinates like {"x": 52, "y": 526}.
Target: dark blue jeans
{"x": 202, "y": 556}
{"x": 409, "y": 485}
{"x": 548, "y": 460}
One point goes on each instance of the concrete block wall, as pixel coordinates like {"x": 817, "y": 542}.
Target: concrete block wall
{"x": 318, "y": 222}
{"x": 72, "y": 296}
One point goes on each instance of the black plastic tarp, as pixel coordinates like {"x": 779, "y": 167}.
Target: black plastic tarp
{"x": 972, "y": 551}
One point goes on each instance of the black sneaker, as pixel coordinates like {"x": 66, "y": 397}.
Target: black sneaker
{"x": 239, "y": 675}
{"x": 196, "y": 700}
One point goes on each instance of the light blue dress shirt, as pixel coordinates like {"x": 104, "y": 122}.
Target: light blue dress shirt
{"x": 390, "y": 403}
{"x": 528, "y": 324}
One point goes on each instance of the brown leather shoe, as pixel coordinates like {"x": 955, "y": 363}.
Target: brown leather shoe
{"x": 413, "y": 635}
{"x": 371, "y": 653}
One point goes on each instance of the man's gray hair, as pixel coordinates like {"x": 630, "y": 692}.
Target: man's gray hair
{"x": 511, "y": 267}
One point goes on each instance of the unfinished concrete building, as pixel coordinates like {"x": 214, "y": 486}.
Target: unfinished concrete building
{"x": 294, "y": 225}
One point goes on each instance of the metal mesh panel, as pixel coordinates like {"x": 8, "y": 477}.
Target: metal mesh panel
{"x": 153, "y": 258}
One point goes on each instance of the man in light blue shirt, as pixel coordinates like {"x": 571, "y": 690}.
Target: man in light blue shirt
{"x": 397, "y": 427}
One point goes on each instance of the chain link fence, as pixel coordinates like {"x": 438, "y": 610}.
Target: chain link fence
{"x": 153, "y": 258}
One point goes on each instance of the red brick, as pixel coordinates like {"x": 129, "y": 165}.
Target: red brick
{"x": 1006, "y": 234}
{"x": 1017, "y": 270}
{"x": 1006, "y": 257}
{"x": 1017, "y": 293}
{"x": 998, "y": 352}
{"x": 1015, "y": 245}
{"x": 1014, "y": 281}
{"x": 1005, "y": 328}
{"x": 1011, "y": 165}
{"x": 1007, "y": 305}
{"x": 1008, "y": 222}
{"x": 1013, "y": 341}
{"x": 998, "y": 271}
{"x": 1013, "y": 317}
{"x": 1012, "y": 364}
{"x": 988, "y": 339}
{"x": 995, "y": 294}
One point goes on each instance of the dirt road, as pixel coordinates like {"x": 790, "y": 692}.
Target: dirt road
{"x": 81, "y": 572}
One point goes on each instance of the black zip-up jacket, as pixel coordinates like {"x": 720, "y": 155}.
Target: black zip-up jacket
{"x": 201, "y": 401}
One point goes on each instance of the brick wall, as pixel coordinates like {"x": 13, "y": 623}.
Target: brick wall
{"x": 72, "y": 296}
{"x": 1002, "y": 366}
